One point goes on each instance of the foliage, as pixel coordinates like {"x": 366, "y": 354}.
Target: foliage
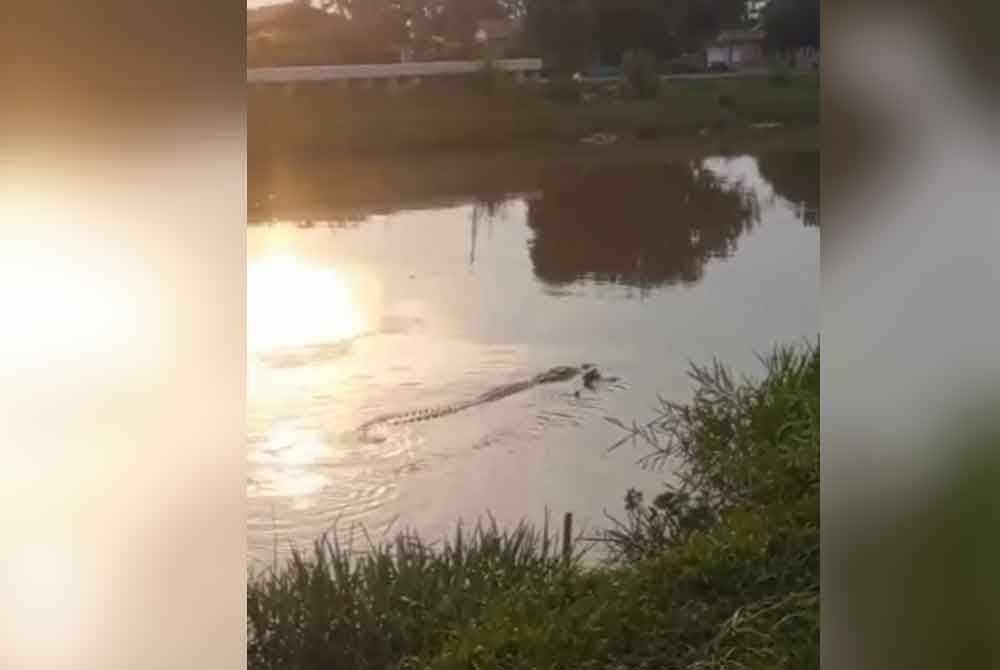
{"x": 722, "y": 600}
{"x": 562, "y": 32}
{"x": 779, "y": 75}
{"x": 570, "y": 35}
{"x": 489, "y": 78}
{"x": 643, "y": 81}
{"x": 564, "y": 90}
{"x": 792, "y": 23}
{"x": 736, "y": 446}
{"x": 722, "y": 571}
{"x": 395, "y": 601}
{"x": 321, "y": 121}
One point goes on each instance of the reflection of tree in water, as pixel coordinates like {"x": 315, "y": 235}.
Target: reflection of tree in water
{"x": 637, "y": 226}
{"x": 795, "y": 177}
{"x": 485, "y": 208}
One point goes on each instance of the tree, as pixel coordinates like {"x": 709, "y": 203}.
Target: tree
{"x": 791, "y": 24}
{"x": 669, "y": 223}
{"x": 624, "y": 25}
{"x": 571, "y": 34}
{"x": 693, "y": 22}
{"x": 562, "y": 31}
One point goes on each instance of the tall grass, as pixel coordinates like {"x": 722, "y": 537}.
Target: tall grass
{"x": 722, "y": 571}
{"x": 320, "y": 120}
{"x": 641, "y": 77}
{"x": 738, "y": 443}
{"x": 393, "y": 602}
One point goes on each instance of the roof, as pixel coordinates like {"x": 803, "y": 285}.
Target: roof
{"x": 729, "y": 36}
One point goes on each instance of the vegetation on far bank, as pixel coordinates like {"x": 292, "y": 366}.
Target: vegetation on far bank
{"x": 570, "y": 36}
{"x": 323, "y": 120}
{"x": 719, "y": 570}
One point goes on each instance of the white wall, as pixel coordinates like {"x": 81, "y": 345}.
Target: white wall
{"x": 263, "y": 75}
{"x": 717, "y": 55}
{"x": 747, "y": 53}
{"x": 739, "y": 54}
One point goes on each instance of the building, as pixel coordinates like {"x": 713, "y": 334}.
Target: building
{"x": 801, "y": 58}
{"x": 737, "y": 49}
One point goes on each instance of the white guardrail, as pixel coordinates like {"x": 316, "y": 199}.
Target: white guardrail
{"x": 299, "y": 73}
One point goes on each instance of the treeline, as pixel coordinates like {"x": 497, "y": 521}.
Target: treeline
{"x": 568, "y": 34}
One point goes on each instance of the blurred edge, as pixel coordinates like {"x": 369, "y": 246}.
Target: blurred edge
{"x": 122, "y": 422}
{"x": 124, "y": 167}
{"x": 910, "y": 326}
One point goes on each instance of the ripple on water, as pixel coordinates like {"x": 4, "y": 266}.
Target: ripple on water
{"x": 349, "y": 500}
{"x": 315, "y": 483}
{"x": 316, "y": 475}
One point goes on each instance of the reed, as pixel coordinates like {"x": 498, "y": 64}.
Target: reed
{"x": 720, "y": 571}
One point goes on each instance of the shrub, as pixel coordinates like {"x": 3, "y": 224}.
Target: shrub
{"x": 722, "y": 571}
{"x": 779, "y": 75}
{"x": 737, "y": 445}
{"x": 564, "y": 90}
{"x": 648, "y": 131}
{"x": 641, "y": 77}
{"x": 333, "y": 608}
{"x": 488, "y": 78}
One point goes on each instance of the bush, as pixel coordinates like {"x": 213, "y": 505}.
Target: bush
{"x": 680, "y": 68}
{"x": 750, "y": 445}
{"x": 648, "y": 131}
{"x": 687, "y": 64}
{"x": 564, "y": 90}
{"x": 641, "y": 76}
{"x": 333, "y": 608}
{"x": 721, "y": 571}
{"x": 488, "y": 78}
{"x": 779, "y": 75}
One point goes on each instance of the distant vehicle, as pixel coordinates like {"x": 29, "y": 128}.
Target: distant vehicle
{"x": 718, "y": 67}
{"x": 604, "y": 71}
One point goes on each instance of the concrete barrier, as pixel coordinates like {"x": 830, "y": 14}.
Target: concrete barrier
{"x": 519, "y": 67}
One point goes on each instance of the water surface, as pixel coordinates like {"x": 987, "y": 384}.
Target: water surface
{"x": 636, "y": 268}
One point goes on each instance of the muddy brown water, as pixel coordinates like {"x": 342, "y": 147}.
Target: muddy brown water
{"x": 357, "y": 309}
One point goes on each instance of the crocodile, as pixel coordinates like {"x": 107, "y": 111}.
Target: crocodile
{"x": 557, "y": 374}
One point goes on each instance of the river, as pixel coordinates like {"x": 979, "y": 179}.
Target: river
{"x": 355, "y": 310}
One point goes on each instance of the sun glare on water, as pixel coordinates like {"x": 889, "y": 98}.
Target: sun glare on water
{"x": 293, "y": 303}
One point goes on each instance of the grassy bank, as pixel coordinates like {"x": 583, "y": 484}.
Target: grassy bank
{"x": 322, "y": 120}
{"x": 721, "y": 571}
{"x": 329, "y": 188}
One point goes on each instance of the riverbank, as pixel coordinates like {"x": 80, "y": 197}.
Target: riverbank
{"x": 330, "y": 188}
{"x": 321, "y": 120}
{"x": 722, "y": 572}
